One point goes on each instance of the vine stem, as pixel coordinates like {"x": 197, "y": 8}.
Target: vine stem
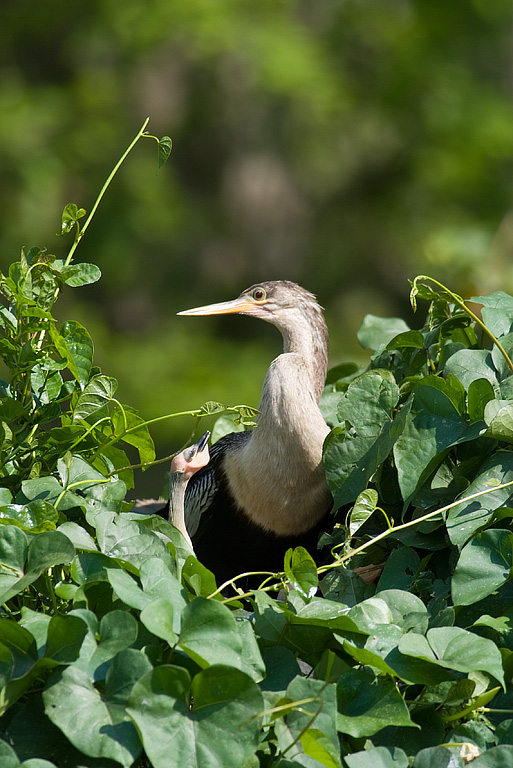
{"x": 241, "y": 576}
{"x": 82, "y": 231}
{"x": 410, "y": 523}
{"x": 460, "y": 302}
{"x": 198, "y": 413}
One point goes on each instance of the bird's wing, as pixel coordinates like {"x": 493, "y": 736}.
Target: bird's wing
{"x": 205, "y": 484}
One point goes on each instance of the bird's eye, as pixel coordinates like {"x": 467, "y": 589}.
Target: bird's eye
{"x": 259, "y": 294}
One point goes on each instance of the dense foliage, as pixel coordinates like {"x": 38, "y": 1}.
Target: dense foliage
{"x": 118, "y": 648}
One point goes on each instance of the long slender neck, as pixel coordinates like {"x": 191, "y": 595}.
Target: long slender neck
{"x": 278, "y": 478}
{"x": 306, "y": 335}
{"x": 177, "y": 485}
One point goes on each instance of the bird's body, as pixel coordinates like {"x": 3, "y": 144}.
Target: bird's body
{"x": 265, "y": 490}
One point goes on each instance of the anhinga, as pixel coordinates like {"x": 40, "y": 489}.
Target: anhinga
{"x": 265, "y": 490}
{"x": 183, "y": 466}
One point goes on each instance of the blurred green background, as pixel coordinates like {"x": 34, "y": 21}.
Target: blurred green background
{"x": 347, "y": 145}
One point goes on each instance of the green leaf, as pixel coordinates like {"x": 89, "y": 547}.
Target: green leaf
{"x": 119, "y": 537}
{"x": 407, "y": 611}
{"x": 36, "y": 516}
{"x": 79, "y": 346}
{"x": 157, "y": 617}
{"x": 497, "y": 312}
{"x": 88, "y": 567}
{"x": 363, "y": 508}
{"x": 377, "y": 332}
{"x": 317, "y": 746}
{"x": 127, "y": 589}
{"x": 400, "y": 569}
{"x": 98, "y": 393}
{"x": 76, "y": 275}
{"x": 498, "y": 414}
{"x": 126, "y": 418}
{"x": 340, "y": 372}
{"x": 437, "y": 757}
{"x": 97, "y": 725}
{"x": 468, "y": 517}
{"x": 379, "y": 757}
{"x": 8, "y": 757}
{"x": 64, "y": 639}
{"x": 157, "y": 581}
{"x": 175, "y": 717}
{"x": 117, "y": 631}
{"x": 301, "y": 571}
{"x": 354, "y": 451}
{"x": 11, "y": 409}
{"x": 198, "y": 578}
{"x": 13, "y": 554}
{"x": 432, "y": 427}
{"x": 70, "y": 215}
{"x": 496, "y": 757}
{"x": 367, "y": 703}
{"x": 45, "y": 384}
{"x": 209, "y": 635}
{"x": 78, "y": 536}
{"x": 43, "y": 738}
{"x": 456, "y": 649}
{"x": 21, "y": 644}
{"x": 468, "y": 365}
{"x": 311, "y": 708}
{"x": 485, "y": 563}
{"x": 19, "y": 663}
{"x": 165, "y": 146}
{"x": 499, "y": 360}
{"x": 413, "y": 339}
{"x": 480, "y": 392}
{"x": 45, "y": 550}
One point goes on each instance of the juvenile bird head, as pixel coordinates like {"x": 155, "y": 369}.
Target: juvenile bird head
{"x": 193, "y": 458}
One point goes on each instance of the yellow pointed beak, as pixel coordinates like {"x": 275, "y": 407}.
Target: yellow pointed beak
{"x": 242, "y": 305}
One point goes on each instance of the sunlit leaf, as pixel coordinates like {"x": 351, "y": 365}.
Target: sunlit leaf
{"x": 70, "y": 216}
{"x": 165, "y": 146}
{"x": 79, "y": 346}
{"x": 97, "y": 393}
{"x": 455, "y": 649}
{"x": 175, "y": 716}
{"x": 485, "y": 563}
{"x": 301, "y": 571}
{"x": 95, "y": 724}
{"x": 469, "y": 516}
{"x": 377, "y": 332}
{"x": 369, "y": 429}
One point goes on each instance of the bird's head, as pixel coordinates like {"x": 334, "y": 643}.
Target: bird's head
{"x": 271, "y": 301}
{"x": 193, "y": 458}
{"x": 294, "y": 311}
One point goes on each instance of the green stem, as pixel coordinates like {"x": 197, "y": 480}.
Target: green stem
{"x": 197, "y": 413}
{"x": 82, "y": 232}
{"x": 142, "y": 465}
{"x": 241, "y": 576}
{"x": 51, "y": 590}
{"x": 403, "y": 526}
{"x": 111, "y": 440}
{"x": 459, "y": 301}
{"x": 340, "y": 560}
{"x": 75, "y": 485}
